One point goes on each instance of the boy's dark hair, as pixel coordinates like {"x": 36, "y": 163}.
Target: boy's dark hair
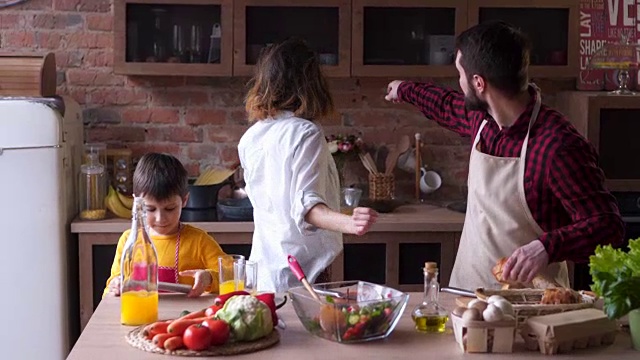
{"x": 288, "y": 77}
{"x": 160, "y": 176}
{"x": 499, "y": 53}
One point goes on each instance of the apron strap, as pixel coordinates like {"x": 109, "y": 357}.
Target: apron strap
{"x": 177, "y": 255}
{"x": 532, "y": 120}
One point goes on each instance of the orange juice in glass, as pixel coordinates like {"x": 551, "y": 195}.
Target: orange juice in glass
{"x": 138, "y": 307}
{"x": 231, "y": 286}
{"x": 226, "y": 272}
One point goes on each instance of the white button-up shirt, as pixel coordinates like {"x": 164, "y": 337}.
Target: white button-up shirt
{"x": 288, "y": 169}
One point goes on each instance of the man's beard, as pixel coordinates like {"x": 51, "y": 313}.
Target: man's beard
{"x": 473, "y": 103}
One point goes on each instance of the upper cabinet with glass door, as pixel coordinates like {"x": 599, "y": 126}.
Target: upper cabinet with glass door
{"x": 324, "y": 24}
{"x": 173, "y": 37}
{"x": 552, "y": 27}
{"x": 406, "y": 37}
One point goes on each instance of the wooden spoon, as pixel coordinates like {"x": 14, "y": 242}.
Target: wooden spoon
{"x": 402, "y": 146}
{"x": 329, "y": 316}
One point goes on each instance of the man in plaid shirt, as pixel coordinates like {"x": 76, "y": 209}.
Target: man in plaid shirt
{"x": 536, "y": 193}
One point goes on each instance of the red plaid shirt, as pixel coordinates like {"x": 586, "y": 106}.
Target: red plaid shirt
{"x": 563, "y": 184}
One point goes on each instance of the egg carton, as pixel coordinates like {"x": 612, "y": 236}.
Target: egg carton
{"x": 563, "y": 332}
{"x": 553, "y": 347}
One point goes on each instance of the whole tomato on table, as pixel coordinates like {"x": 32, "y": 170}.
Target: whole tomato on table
{"x": 197, "y": 337}
{"x": 219, "y": 331}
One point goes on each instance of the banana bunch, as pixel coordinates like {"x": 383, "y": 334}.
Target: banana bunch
{"x": 119, "y": 204}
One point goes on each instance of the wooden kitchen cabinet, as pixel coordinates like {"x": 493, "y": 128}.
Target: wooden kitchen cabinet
{"x": 324, "y": 24}
{"x": 173, "y": 37}
{"x": 409, "y": 38}
{"x": 552, "y": 26}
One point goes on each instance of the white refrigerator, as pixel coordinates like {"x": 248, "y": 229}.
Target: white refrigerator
{"x": 40, "y": 153}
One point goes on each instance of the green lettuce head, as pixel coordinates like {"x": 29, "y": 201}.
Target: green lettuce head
{"x": 248, "y": 317}
{"x": 616, "y": 278}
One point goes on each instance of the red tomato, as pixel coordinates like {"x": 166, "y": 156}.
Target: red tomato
{"x": 219, "y": 331}
{"x": 212, "y": 310}
{"x": 197, "y": 337}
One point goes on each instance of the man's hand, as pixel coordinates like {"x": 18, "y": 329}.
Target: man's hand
{"x": 526, "y": 262}
{"x": 114, "y": 287}
{"x": 202, "y": 279}
{"x": 392, "y": 92}
{"x": 362, "y": 219}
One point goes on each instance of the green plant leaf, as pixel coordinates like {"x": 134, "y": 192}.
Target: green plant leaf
{"x": 616, "y": 278}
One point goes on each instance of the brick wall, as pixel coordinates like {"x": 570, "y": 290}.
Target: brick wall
{"x": 200, "y": 120}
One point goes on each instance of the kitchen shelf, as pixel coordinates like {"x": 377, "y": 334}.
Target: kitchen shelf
{"x": 552, "y": 26}
{"x": 406, "y": 37}
{"x": 324, "y": 24}
{"x": 158, "y": 37}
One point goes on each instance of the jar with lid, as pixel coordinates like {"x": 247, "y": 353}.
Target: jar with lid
{"x": 430, "y": 316}
{"x": 93, "y": 186}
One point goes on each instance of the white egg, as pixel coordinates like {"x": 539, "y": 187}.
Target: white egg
{"x": 478, "y": 304}
{"x": 492, "y": 314}
{"x": 494, "y": 298}
{"x": 505, "y": 306}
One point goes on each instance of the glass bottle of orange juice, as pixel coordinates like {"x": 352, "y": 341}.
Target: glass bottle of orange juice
{"x": 139, "y": 262}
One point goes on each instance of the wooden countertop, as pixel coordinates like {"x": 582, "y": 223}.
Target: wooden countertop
{"x": 406, "y": 218}
{"x": 104, "y": 338}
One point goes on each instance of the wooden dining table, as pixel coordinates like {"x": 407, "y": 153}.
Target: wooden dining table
{"x": 104, "y": 338}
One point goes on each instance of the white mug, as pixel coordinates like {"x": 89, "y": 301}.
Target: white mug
{"x": 430, "y": 181}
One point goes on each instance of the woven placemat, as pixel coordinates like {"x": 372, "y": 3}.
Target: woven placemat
{"x": 137, "y": 340}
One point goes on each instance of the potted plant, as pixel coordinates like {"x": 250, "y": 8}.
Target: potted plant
{"x": 616, "y": 278}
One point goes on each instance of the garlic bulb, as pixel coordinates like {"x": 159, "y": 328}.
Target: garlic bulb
{"x": 492, "y": 314}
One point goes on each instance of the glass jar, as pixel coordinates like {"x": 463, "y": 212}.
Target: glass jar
{"x": 93, "y": 186}
{"x": 430, "y": 316}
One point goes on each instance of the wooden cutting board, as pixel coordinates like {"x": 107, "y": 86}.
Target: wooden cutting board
{"x": 463, "y": 301}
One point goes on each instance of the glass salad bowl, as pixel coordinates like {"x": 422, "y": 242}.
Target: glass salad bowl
{"x": 349, "y": 311}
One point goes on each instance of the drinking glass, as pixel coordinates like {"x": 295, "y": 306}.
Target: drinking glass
{"x": 227, "y": 271}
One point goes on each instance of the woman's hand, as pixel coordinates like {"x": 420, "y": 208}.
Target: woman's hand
{"x": 201, "y": 280}
{"x": 114, "y": 287}
{"x": 362, "y": 219}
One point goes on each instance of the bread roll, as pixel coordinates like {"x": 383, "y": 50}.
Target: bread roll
{"x": 539, "y": 281}
{"x": 557, "y": 296}
{"x": 554, "y": 294}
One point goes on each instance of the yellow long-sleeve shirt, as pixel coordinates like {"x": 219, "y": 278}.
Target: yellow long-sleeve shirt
{"x": 198, "y": 250}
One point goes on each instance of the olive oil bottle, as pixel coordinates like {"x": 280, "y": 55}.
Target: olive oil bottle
{"x": 430, "y": 316}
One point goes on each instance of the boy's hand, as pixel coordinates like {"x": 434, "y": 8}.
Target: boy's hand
{"x": 362, "y": 219}
{"x": 114, "y": 287}
{"x": 201, "y": 280}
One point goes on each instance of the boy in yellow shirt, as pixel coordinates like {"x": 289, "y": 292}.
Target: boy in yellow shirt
{"x": 186, "y": 254}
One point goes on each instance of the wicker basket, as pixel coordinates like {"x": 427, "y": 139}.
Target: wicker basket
{"x": 484, "y": 337}
{"x": 381, "y": 186}
{"x": 526, "y": 303}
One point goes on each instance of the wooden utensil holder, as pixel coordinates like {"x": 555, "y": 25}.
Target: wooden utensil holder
{"x": 381, "y": 186}
{"x": 27, "y": 75}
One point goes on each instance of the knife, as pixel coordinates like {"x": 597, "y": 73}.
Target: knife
{"x": 458, "y": 291}
{"x": 180, "y": 288}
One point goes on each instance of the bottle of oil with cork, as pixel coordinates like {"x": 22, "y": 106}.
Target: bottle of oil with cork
{"x": 430, "y": 316}
{"x": 92, "y": 184}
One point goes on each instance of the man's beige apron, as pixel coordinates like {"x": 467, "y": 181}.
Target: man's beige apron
{"x": 498, "y": 219}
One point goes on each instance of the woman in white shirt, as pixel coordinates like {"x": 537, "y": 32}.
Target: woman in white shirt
{"x": 290, "y": 176}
